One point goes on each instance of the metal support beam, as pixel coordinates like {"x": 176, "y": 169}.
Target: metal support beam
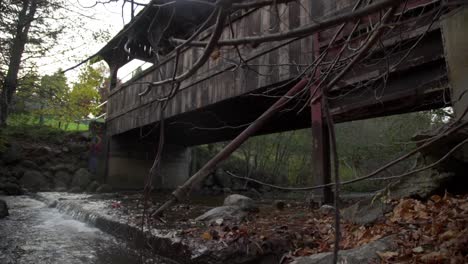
{"x": 321, "y": 164}
{"x": 321, "y": 168}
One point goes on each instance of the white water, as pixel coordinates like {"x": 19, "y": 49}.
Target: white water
{"x": 36, "y": 234}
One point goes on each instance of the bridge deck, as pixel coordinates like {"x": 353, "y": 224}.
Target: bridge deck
{"x": 217, "y": 102}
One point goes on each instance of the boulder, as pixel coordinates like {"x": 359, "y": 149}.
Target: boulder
{"x": 77, "y": 147}
{"x": 421, "y": 185}
{"x": 241, "y": 201}
{"x": 366, "y": 211}
{"x": 104, "y": 188}
{"x": 29, "y": 164}
{"x": 327, "y": 209}
{"x": 62, "y": 179}
{"x": 226, "y": 213}
{"x": 63, "y": 167}
{"x": 34, "y": 180}
{"x": 60, "y": 189}
{"x": 81, "y": 178}
{"x": 92, "y": 187}
{"x": 75, "y": 189}
{"x": 359, "y": 255}
{"x": 3, "y": 209}
{"x": 13, "y": 154}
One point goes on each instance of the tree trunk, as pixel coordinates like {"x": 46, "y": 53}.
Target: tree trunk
{"x": 25, "y": 17}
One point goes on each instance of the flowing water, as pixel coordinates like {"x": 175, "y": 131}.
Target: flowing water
{"x": 36, "y": 234}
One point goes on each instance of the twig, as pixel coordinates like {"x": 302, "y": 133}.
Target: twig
{"x": 305, "y": 30}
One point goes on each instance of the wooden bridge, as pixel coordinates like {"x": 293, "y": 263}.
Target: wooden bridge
{"x": 404, "y": 72}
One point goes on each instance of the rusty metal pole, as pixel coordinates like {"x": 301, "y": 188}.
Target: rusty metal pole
{"x": 321, "y": 168}
{"x": 321, "y": 165}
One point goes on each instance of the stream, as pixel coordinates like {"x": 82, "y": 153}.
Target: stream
{"x": 37, "y": 234}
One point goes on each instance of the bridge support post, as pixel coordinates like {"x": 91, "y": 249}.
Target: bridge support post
{"x": 454, "y": 26}
{"x": 321, "y": 152}
{"x": 130, "y": 159}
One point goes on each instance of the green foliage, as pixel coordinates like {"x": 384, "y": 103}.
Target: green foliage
{"x": 84, "y": 96}
{"x": 363, "y": 146}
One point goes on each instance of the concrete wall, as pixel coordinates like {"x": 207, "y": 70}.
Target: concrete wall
{"x": 131, "y": 158}
{"x": 454, "y": 29}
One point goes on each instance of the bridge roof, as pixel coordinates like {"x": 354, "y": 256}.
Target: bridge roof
{"x": 141, "y": 38}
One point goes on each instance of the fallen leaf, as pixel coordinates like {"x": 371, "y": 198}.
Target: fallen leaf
{"x": 207, "y": 236}
{"x": 418, "y": 249}
{"x": 433, "y": 257}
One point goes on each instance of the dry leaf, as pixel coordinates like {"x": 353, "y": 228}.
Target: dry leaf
{"x": 418, "y": 249}
{"x": 207, "y": 236}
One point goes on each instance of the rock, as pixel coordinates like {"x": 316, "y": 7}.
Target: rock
{"x": 230, "y": 213}
{"x": 53, "y": 204}
{"x": 327, "y": 209}
{"x": 3, "y": 209}
{"x": 77, "y": 147}
{"x": 13, "y": 154}
{"x": 65, "y": 149}
{"x": 366, "y": 211}
{"x": 11, "y": 188}
{"x": 92, "y": 187}
{"x": 359, "y": 255}
{"x": 60, "y": 189}
{"x": 104, "y": 188}
{"x": 63, "y": 167}
{"x": 29, "y": 164}
{"x": 34, "y": 180}
{"x": 81, "y": 178}
{"x": 420, "y": 185}
{"x": 75, "y": 189}
{"x": 62, "y": 179}
{"x": 241, "y": 201}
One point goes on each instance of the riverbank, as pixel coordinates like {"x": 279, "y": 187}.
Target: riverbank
{"x": 429, "y": 231}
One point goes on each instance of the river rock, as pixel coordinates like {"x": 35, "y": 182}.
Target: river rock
{"x": 421, "y": 185}
{"x": 75, "y": 189}
{"x": 3, "y": 209}
{"x": 229, "y": 213}
{"x": 29, "y": 164}
{"x": 366, "y": 211}
{"x": 34, "y": 180}
{"x": 77, "y": 147}
{"x": 359, "y": 255}
{"x": 241, "y": 201}
{"x": 104, "y": 188}
{"x": 13, "y": 154}
{"x": 62, "y": 179}
{"x": 81, "y": 178}
{"x": 92, "y": 187}
{"x": 63, "y": 167}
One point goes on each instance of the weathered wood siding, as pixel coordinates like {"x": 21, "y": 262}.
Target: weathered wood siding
{"x": 212, "y": 83}
{"x": 220, "y": 78}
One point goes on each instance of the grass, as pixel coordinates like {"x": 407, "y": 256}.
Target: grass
{"x": 18, "y": 120}
{"x": 27, "y": 127}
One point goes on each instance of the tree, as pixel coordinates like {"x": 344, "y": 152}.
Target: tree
{"x": 28, "y": 27}
{"x": 84, "y": 96}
